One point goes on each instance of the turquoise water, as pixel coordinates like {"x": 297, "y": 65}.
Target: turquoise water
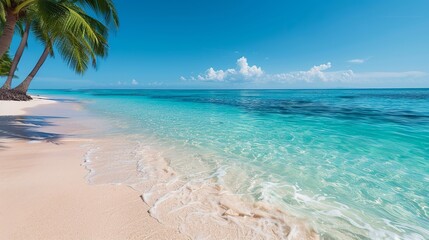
{"x": 353, "y": 163}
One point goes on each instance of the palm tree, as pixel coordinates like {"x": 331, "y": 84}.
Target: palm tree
{"x": 17, "y": 56}
{"x": 11, "y": 11}
{"x": 78, "y": 37}
{"x": 9, "y": 20}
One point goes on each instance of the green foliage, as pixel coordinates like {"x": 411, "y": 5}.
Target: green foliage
{"x": 67, "y": 27}
{"x": 79, "y": 38}
{"x": 5, "y": 63}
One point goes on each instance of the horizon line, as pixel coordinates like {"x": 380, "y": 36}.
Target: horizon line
{"x": 208, "y": 89}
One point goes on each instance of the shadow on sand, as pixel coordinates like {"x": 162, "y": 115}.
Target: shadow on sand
{"x": 27, "y": 128}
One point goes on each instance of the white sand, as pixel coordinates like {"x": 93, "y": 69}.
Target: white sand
{"x": 8, "y": 108}
{"x": 44, "y": 194}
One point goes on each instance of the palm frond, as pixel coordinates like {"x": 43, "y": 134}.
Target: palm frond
{"x": 2, "y": 12}
{"x": 60, "y": 17}
{"x": 5, "y": 64}
{"x": 105, "y": 8}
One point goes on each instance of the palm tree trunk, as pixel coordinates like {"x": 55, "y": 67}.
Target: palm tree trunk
{"x": 23, "y": 87}
{"x": 17, "y": 57}
{"x": 8, "y": 31}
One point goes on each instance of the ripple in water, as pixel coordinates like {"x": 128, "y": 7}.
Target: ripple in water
{"x": 347, "y": 164}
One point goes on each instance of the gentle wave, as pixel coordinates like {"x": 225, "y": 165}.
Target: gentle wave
{"x": 207, "y": 200}
{"x": 199, "y": 205}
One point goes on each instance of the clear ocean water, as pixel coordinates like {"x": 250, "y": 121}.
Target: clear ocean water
{"x": 353, "y": 163}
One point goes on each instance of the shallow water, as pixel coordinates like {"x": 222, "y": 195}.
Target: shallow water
{"x": 350, "y": 164}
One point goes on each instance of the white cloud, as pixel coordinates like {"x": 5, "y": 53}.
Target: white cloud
{"x": 318, "y": 73}
{"x": 182, "y": 78}
{"x": 216, "y": 75}
{"x": 357, "y": 61}
{"x": 243, "y": 70}
{"x": 255, "y": 73}
{"x": 246, "y": 70}
{"x": 134, "y": 82}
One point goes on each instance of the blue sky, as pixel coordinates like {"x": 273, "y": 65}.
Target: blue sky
{"x": 256, "y": 44}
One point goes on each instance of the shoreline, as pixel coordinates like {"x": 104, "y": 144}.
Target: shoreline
{"x": 150, "y": 202}
{"x": 8, "y": 108}
{"x": 43, "y": 187}
{"x": 195, "y": 207}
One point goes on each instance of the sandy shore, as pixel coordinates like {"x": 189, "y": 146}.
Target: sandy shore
{"x": 19, "y": 108}
{"x": 44, "y": 194}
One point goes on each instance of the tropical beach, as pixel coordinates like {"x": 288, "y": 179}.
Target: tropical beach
{"x": 186, "y": 123}
{"x": 191, "y": 185}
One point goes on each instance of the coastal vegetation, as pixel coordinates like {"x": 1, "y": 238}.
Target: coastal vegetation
{"x": 77, "y": 30}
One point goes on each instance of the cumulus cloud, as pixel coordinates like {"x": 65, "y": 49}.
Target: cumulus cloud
{"x": 134, "y": 82}
{"x": 319, "y": 73}
{"x": 242, "y": 71}
{"x": 246, "y": 70}
{"x": 356, "y": 61}
{"x": 316, "y": 73}
{"x": 217, "y": 75}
